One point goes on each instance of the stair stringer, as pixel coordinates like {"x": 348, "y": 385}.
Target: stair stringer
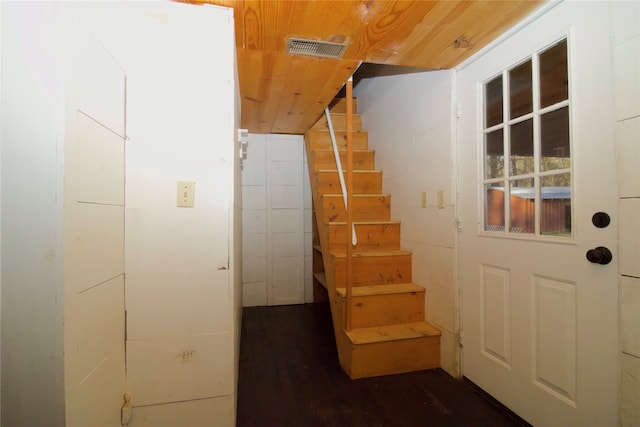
{"x": 337, "y": 310}
{"x": 379, "y": 348}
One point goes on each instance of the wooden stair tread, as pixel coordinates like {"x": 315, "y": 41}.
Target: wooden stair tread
{"x": 374, "y": 253}
{"x": 344, "y": 170}
{"x": 321, "y": 278}
{"x": 330, "y": 150}
{"x": 330, "y": 223}
{"x": 361, "y": 195}
{"x": 398, "y": 288}
{"x": 403, "y": 331}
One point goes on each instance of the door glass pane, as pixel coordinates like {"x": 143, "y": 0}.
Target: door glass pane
{"x": 554, "y": 142}
{"x": 520, "y": 95}
{"x": 555, "y": 211}
{"x": 521, "y": 160}
{"x": 494, "y": 207}
{"x": 554, "y": 77}
{"x": 529, "y": 160}
{"x": 494, "y": 154}
{"x": 523, "y": 206}
{"x": 493, "y": 102}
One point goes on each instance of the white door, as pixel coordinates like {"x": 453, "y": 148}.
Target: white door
{"x": 539, "y": 320}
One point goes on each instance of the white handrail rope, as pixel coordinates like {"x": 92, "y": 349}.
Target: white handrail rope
{"x": 343, "y": 186}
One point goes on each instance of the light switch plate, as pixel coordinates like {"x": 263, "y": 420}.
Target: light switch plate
{"x": 424, "y": 199}
{"x": 186, "y": 194}
{"x": 440, "y": 199}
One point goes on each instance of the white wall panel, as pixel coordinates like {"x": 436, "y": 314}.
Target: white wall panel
{"x": 195, "y": 413}
{"x": 191, "y": 367}
{"x": 254, "y": 197}
{"x": 629, "y": 243}
{"x": 171, "y": 304}
{"x": 625, "y": 20}
{"x": 254, "y": 245}
{"x": 627, "y": 79}
{"x": 627, "y": 135}
{"x": 287, "y": 268}
{"x": 101, "y": 84}
{"x": 286, "y": 197}
{"x": 285, "y": 173}
{"x": 254, "y": 270}
{"x": 286, "y": 245}
{"x": 96, "y": 401}
{"x": 95, "y": 325}
{"x": 254, "y": 221}
{"x": 285, "y": 292}
{"x": 285, "y": 221}
{"x": 630, "y": 315}
{"x": 97, "y": 252}
{"x": 629, "y": 390}
{"x": 254, "y": 170}
{"x": 254, "y": 294}
{"x": 100, "y": 163}
{"x": 178, "y": 239}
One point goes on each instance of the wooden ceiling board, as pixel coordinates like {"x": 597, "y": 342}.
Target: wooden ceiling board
{"x": 308, "y": 95}
{"x": 439, "y": 51}
{"x": 390, "y": 22}
{"x": 286, "y": 94}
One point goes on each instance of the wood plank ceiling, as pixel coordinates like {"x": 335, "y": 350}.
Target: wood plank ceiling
{"x": 282, "y": 93}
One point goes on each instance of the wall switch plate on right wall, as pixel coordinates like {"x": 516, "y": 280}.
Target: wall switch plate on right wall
{"x": 440, "y": 199}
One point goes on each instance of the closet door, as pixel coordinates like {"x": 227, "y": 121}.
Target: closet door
{"x": 285, "y": 214}
{"x": 273, "y": 213}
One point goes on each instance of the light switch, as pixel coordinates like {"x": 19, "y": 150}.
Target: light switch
{"x": 186, "y": 194}
{"x": 424, "y": 199}
{"x": 440, "y": 199}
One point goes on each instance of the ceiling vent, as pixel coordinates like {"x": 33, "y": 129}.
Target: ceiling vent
{"x": 319, "y": 49}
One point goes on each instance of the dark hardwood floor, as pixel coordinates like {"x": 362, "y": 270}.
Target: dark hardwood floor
{"x": 290, "y": 376}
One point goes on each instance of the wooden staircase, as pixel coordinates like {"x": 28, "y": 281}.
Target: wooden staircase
{"x": 388, "y": 333}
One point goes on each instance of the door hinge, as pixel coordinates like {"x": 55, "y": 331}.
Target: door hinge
{"x": 127, "y": 410}
{"x": 458, "y": 111}
{"x": 459, "y": 224}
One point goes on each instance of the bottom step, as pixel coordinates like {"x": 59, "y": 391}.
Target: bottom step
{"x": 387, "y": 350}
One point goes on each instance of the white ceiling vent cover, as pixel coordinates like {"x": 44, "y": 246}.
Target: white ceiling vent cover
{"x": 316, "y": 48}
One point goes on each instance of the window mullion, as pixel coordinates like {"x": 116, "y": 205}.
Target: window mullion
{"x": 506, "y": 134}
{"x": 537, "y": 155}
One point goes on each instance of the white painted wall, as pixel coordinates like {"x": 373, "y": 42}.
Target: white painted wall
{"x": 274, "y": 234}
{"x": 181, "y": 283}
{"x": 94, "y": 351}
{"x": 409, "y": 120}
{"x": 32, "y": 137}
{"x": 625, "y": 43}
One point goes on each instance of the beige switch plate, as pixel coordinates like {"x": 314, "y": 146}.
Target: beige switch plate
{"x": 423, "y": 202}
{"x": 440, "y": 199}
{"x": 186, "y": 194}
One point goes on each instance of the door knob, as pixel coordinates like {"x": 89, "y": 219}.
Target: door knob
{"x": 599, "y": 255}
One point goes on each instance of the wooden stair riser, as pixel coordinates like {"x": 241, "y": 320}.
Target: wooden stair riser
{"x": 325, "y": 159}
{"x": 341, "y": 106}
{"x": 394, "y": 357}
{"x": 364, "y": 182}
{"x": 321, "y": 140}
{"x": 365, "y": 208}
{"x": 378, "y": 270}
{"x": 389, "y": 335}
{"x": 370, "y": 236}
{"x": 339, "y": 122}
{"x": 379, "y": 310}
